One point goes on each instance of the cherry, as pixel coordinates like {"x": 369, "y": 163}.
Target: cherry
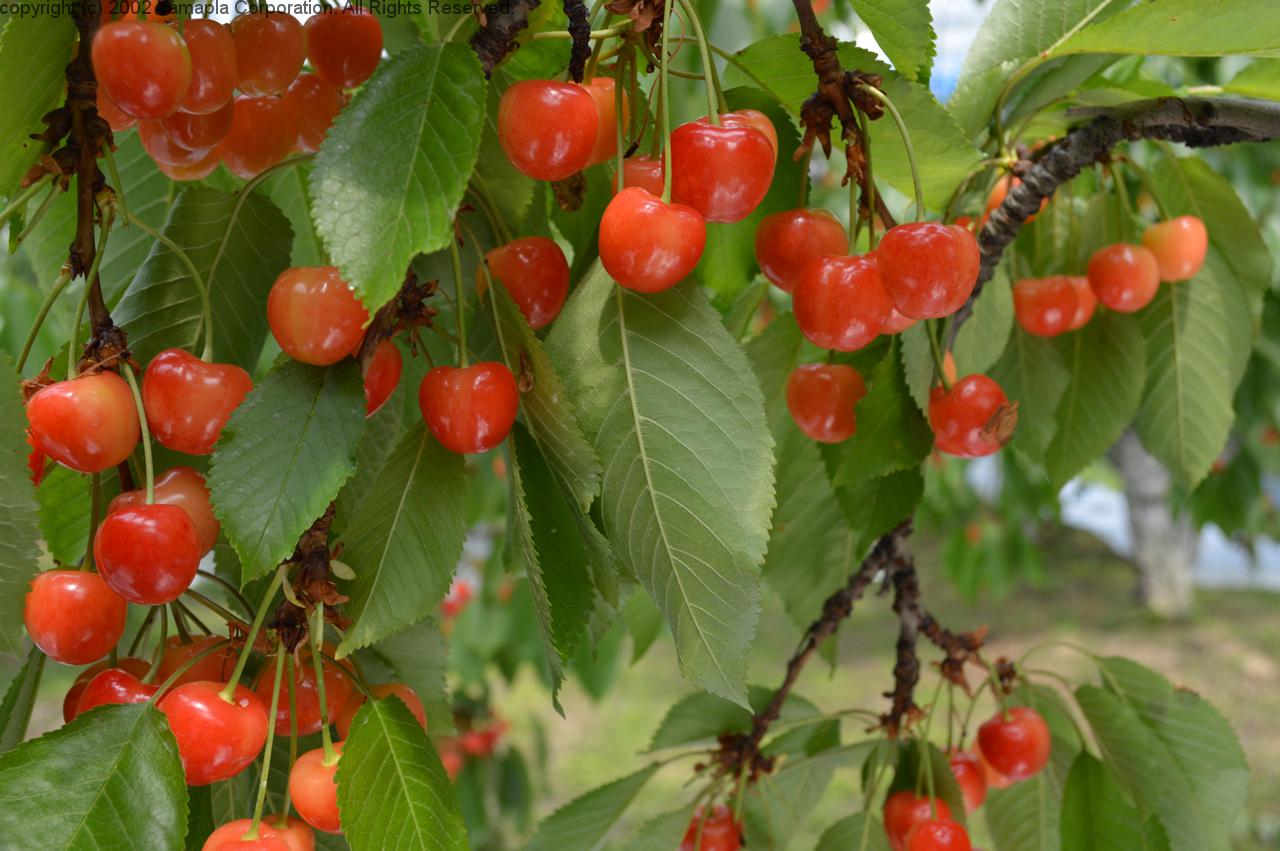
{"x": 648, "y": 245}
{"x": 547, "y": 129}
{"x": 995, "y": 780}
{"x": 722, "y": 171}
{"x": 480, "y": 743}
{"x": 344, "y": 45}
{"x": 938, "y": 835}
{"x": 263, "y": 132}
{"x": 217, "y": 738}
{"x": 786, "y": 241}
{"x": 970, "y": 777}
{"x": 314, "y": 791}
{"x": 314, "y": 315}
{"x": 114, "y": 686}
{"x": 270, "y": 49}
{"x": 185, "y": 488}
{"x": 144, "y": 67}
{"x": 972, "y": 419}
{"x": 230, "y": 837}
{"x": 642, "y": 172}
{"x": 198, "y": 132}
{"x": 822, "y": 397}
{"x": 161, "y": 147}
{"x": 457, "y": 598}
{"x": 382, "y": 376}
{"x": 400, "y": 690}
{"x": 1179, "y": 246}
{"x": 148, "y": 554}
{"x": 89, "y": 423}
{"x": 295, "y": 832}
{"x": 451, "y": 759}
{"x": 929, "y": 268}
{"x": 602, "y": 91}
{"x": 337, "y": 692}
{"x": 1045, "y": 307}
{"x": 757, "y": 119}
{"x": 535, "y": 274}
{"x": 719, "y": 831}
{"x": 36, "y": 461}
{"x": 1124, "y": 277}
{"x": 840, "y": 301}
{"x": 903, "y": 810}
{"x": 213, "y": 66}
{"x": 897, "y": 323}
{"x": 214, "y": 667}
{"x": 119, "y": 120}
{"x": 1086, "y": 302}
{"x": 315, "y": 103}
{"x": 70, "y": 702}
{"x": 199, "y": 169}
{"x": 188, "y": 401}
{"x": 72, "y": 616}
{"x": 1016, "y": 743}
{"x": 469, "y": 409}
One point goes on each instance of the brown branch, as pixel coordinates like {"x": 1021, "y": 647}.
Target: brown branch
{"x": 580, "y": 29}
{"x": 312, "y": 585}
{"x": 498, "y": 33}
{"x": 408, "y": 309}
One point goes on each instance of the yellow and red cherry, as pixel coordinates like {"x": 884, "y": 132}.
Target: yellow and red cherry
{"x": 314, "y": 315}
{"x": 198, "y": 169}
{"x": 89, "y": 423}
{"x": 185, "y": 488}
{"x": 970, "y": 777}
{"x": 648, "y": 245}
{"x": 822, "y": 398}
{"x": 217, "y": 738}
{"x": 344, "y": 45}
{"x": 119, "y": 120}
{"x": 972, "y": 419}
{"x": 144, "y": 67}
{"x": 643, "y": 172}
{"x": 270, "y": 49}
{"x": 722, "y": 171}
{"x": 840, "y": 301}
{"x": 603, "y": 92}
{"x": 148, "y": 554}
{"x": 1179, "y": 246}
{"x": 72, "y": 616}
{"x": 929, "y": 268}
{"x": 213, "y": 66}
{"x": 534, "y": 273}
{"x": 716, "y": 831}
{"x": 382, "y": 376}
{"x": 1045, "y": 307}
{"x": 1124, "y": 277}
{"x": 188, "y": 400}
{"x": 314, "y": 103}
{"x": 263, "y": 132}
{"x": 1086, "y": 302}
{"x": 469, "y": 409}
{"x": 786, "y": 241}
{"x": 198, "y": 132}
{"x": 114, "y": 686}
{"x": 313, "y": 789}
{"x": 295, "y": 832}
{"x": 1016, "y": 743}
{"x": 547, "y": 128}
{"x": 338, "y": 689}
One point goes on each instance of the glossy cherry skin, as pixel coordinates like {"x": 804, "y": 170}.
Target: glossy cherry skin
{"x": 143, "y": 66}
{"x": 643, "y": 172}
{"x": 161, "y": 148}
{"x": 263, "y": 132}
{"x": 213, "y": 66}
{"x": 337, "y": 692}
{"x": 822, "y": 397}
{"x": 314, "y": 790}
{"x": 938, "y": 835}
{"x": 897, "y": 323}
{"x": 198, "y": 169}
{"x": 148, "y": 554}
{"x": 199, "y": 132}
{"x": 1124, "y": 277}
{"x": 840, "y": 302}
{"x": 1045, "y": 307}
{"x": 722, "y": 171}
{"x": 36, "y": 462}
{"x": 230, "y": 837}
{"x": 89, "y": 424}
{"x": 270, "y": 49}
{"x": 995, "y": 780}
{"x": 72, "y": 616}
{"x": 602, "y": 91}
{"x": 469, "y": 409}
{"x": 400, "y": 690}
{"x": 648, "y": 245}
{"x": 970, "y": 777}
{"x": 185, "y": 488}
{"x": 1016, "y": 743}
{"x": 1179, "y": 246}
{"x": 217, "y": 738}
{"x": 719, "y": 831}
{"x": 786, "y": 241}
{"x": 970, "y": 420}
{"x": 534, "y": 273}
{"x": 382, "y": 376}
{"x": 546, "y": 128}
{"x": 71, "y": 701}
{"x": 215, "y": 667}
{"x": 315, "y": 103}
{"x": 903, "y": 810}
{"x": 929, "y": 269}
{"x": 344, "y": 45}
{"x": 188, "y": 401}
{"x": 1086, "y": 302}
{"x": 119, "y": 120}
{"x": 295, "y": 832}
{"x": 314, "y": 315}
{"x": 114, "y": 686}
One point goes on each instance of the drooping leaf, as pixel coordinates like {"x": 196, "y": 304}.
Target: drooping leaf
{"x": 1259, "y": 79}
{"x": 19, "y": 700}
{"x": 382, "y": 433}
{"x": 917, "y": 364}
{"x": 860, "y": 830}
{"x": 702, "y": 717}
{"x": 661, "y": 833}
{"x": 585, "y": 821}
{"x": 418, "y": 657}
{"x": 510, "y": 191}
{"x": 983, "y": 337}
{"x": 289, "y": 190}
{"x": 1095, "y": 813}
{"x": 1032, "y": 374}
{"x": 19, "y": 530}
{"x": 34, "y": 50}
{"x": 903, "y": 30}
{"x": 1183, "y": 28}
{"x": 875, "y": 504}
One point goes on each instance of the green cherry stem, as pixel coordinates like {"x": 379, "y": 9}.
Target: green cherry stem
{"x": 23, "y": 197}
{"x": 146, "y": 430}
{"x": 906, "y": 143}
{"x": 293, "y": 741}
{"x": 317, "y": 634}
{"x": 47, "y": 305}
{"x": 871, "y": 184}
{"x": 158, "y": 653}
{"x": 664, "y": 86}
{"x": 230, "y": 689}
{"x": 230, "y": 589}
{"x": 252, "y": 832}
{"x": 117, "y": 185}
{"x": 939, "y": 360}
{"x": 211, "y": 605}
{"x": 460, "y": 301}
{"x": 184, "y": 635}
{"x": 595, "y": 35}
{"x": 715, "y": 98}
{"x": 619, "y": 78}
{"x": 143, "y": 629}
{"x": 95, "y": 510}
{"x": 36, "y": 217}
{"x": 216, "y": 647}
{"x": 1145, "y": 179}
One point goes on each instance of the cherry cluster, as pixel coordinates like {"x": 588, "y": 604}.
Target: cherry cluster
{"x": 177, "y": 81}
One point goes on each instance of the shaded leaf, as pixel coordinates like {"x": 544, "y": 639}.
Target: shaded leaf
{"x": 983, "y": 337}
{"x": 860, "y": 830}
{"x": 419, "y": 657}
{"x": 584, "y": 822}
{"x": 1095, "y": 813}
{"x": 19, "y": 700}
{"x": 1032, "y": 374}
{"x": 1183, "y": 28}
{"x": 19, "y": 530}
{"x": 34, "y": 51}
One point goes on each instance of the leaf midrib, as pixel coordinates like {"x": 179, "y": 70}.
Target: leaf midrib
{"x": 111, "y": 773}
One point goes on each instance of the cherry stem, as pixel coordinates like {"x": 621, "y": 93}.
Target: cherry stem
{"x": 179, "y": 624}
{"x": 143, "y": 629}
{"x": 664, "y": 87}
{"x": 715, "y": 98}
{"x": 490, "y": 210}
{"x": 595, "y": 35}
{"x": 1145, "y": 179}
{"x": 216, "y": 647}
{"x": 212, "y": 606}
{"x": 1122, "y": 204}
{"x": 36, "y": 217}
{"x": 22, "y": 198}
{"x": 95, "y": 509}
{"x": 256, "y": 181}
{"x": 252, "y": 833}
{"x": 460, "y": 302}
{"x": 926, "y": 767}
{"x": 939, "y": 360}
{"x": 54, "y": 291}
{"x": 158, "y": 653}
{"x": 230, "y": 589}
{"x": 317, "y": 643}
{"x": 618, "y": 109}
{"x": 293, "y": 741}
{"x": 90, "y": 284}
{"x": 906, "y": 143}
{"x": 146, "y": 431}
{"x": 871, "y": 184}
{"x": 117, "y": 185}
{"x": 230, "y": 689}
{"x": 182, "y": 607}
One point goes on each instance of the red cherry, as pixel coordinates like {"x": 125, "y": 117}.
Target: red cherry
{"x": 822, "y": 397}
{"x": 719, "y": 831}
{"x": 1016, "y": 743}
{"x": 217, "y": 738}
{"x": 214, "y": 668}
{"x": 230, "y": 837}
{"x": 1086, "y": 302}
{"x": 188, "y": 401}
{"x": 199, "y": 169}
{"x": 263, "y": 132}
{"x": 270, "y": 49}
{"x": 400, "y": 690}
{"x": 970, "y": 777}
{"x": 114, "y": 686}
{"x": 295, "y": 832}
{"x": 903, "y": 810}
{"x": 1045, "y": 307}
{"x": 469, "y": 409}
{"x": 1124, "y": 277}
{"x": 213, "y": 66}
{"x": 70, "y": 702}
{"x": 973, "y": 419}
{"x": 475, "y": 743}
{"x": 89, "y": 424}
{"x": 535, "y": 274}
{"x": 344, "y": 45}
{"x": 602, "y": 91}
{"x": 314, "y": 791}
{"x": 785, "y": 242}
{"x": 897, "y": 323}
{"x": 547, "y": 128}
{"x": 314, "y": 315}
{"x": 119, "y": 120}
{"x": 1179, "y": 246}
{"x": 722, "y": 171}
{"x": 642, "y": 172}
{"x": 929, "y": 268}
{"x": 457, "y": 598}
{"x": 382, "y": 376}
{"x": 144, "y": 67}
{"x": 451, "y": 759}
{"x": 148, "y": 554}
{"x": 161, "y": 148}
{"x": 757, "y": 119}
{"x": 840, "y": 302}
{"x": 648, "y": 245}
{"x": 995, "y": 780}
{"x": 72, "y": 616}
{"x": 315, "y": 103}
{"x": 185, "y": 488}
{"x": 198, "y": 132}
{"x": 938, "y": 835}
{"x": 35, "y": 461}
{"x": 337, "y": 692}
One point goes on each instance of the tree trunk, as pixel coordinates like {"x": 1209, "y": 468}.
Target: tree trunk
{"x": 1163, "y": 545}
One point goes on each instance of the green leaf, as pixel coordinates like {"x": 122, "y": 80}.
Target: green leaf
{"x": 904, "y": 31}
{"x": 282, "y": 458}
{"x": 19, "y": 530}
{"x": 1096, "y": 816}
{"x": 392, "y": 790}
{"x": 702, "y": 717}
{"x": 876, "y": 504}
{"x": 983, "y": 337}
{"x": 860, "y": 830}
{"x": 1031, "y": 373}
{"x": 19, "y": 700}
{"x": 1105, "y": 362}
{"x": 511, "y": 192}
{"x": 289, "y": 190}
{"x": 661, "y": 833}
{"x": 34, "y": 51}
{"x": 1259, "y": 79}
{"x": 65, "y": 504}
{"x": 418, "y": 657}
{"x": 1183, "y": 28}
{"x": 917, "y": 363}
{"x": 584, "y": 822}
{"x": 382, "y": 432}
{"x": 239, "y": 243}
{"x": 421, "y": 113}
{"x": 679, "y": 423}
{"x": 406, "y": 539}
{"x": 111, "y": 779}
